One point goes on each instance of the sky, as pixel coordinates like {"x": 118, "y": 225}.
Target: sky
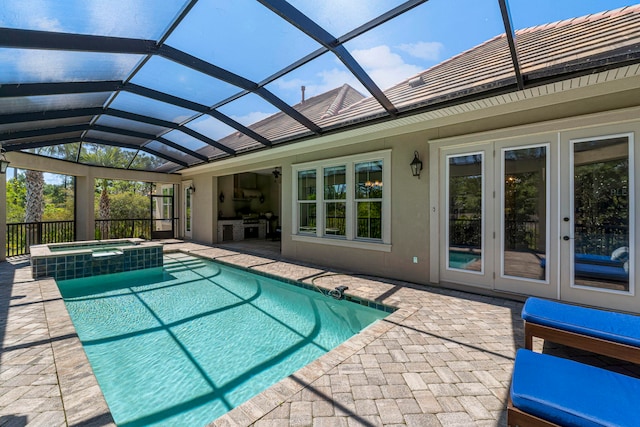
{"x": 246, "y": 38}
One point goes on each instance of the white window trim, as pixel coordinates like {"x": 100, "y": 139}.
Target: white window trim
{"x": 483, "y": 214}
{"x": 632, "y": 213}
{"x": 547, "y": 184}
{"x": 348, "y": 207}
{"x": 187, "y": 233}
{"x": 349, "y": 240}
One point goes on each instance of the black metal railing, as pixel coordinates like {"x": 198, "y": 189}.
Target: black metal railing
{"x": 522, "y": 235}
{"x": 131, "y": 227}
{"x": 123, "y": 228}
{"x": 600, "y": 239}
{"x": 21, "y": 235}
{"x": 464, "y": 232}
{"x": 370, "y": 228}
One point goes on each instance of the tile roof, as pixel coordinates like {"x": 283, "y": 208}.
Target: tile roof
{"x": 543, "y": 50}
{"x": 281, "y": 127}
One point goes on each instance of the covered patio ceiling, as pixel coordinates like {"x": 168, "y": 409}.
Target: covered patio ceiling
{"x": 164, "y": 86}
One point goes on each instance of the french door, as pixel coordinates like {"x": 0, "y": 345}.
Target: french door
{"x": 497, "y": 217}
{"x": 598, "y": 223}
{"x": 548, "y": 216}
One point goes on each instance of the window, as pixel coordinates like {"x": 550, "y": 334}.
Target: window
{"x": 335, "y": 196}
{"x": 307, "y": 201}
{"x": 368, "y": 199}
{"x": 344, "y": 201}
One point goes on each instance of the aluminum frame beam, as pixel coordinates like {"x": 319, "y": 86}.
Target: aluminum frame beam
{"x": 30, "y": 39}
{"x": 511, "y": 40}
{"x": 299, "y": 20}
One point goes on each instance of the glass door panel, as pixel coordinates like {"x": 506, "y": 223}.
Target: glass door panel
{"x": 524, "y": 225}
{"x": 601, "y": 228}
{"x": 161, "y": 217}
{"x": 465, "y": 206}
{"x": 497, "y": 222}
{"x": 188, "y": 216}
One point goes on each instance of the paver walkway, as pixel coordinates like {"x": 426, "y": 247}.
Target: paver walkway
{"x": 444, "y": 359}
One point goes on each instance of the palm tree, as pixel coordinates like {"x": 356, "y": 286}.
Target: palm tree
{"x": 34, "y": 204}
{"x": 34, "y": 183}
{"x": 89, "y": 153}
{"x": 104, "y": 210}
{"x": 34, "y": 180}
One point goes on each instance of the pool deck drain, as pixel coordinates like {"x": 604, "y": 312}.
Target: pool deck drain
{"x": 443, "y": 359}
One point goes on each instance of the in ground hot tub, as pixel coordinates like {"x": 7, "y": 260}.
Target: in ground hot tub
{"x": 73, "y": 260}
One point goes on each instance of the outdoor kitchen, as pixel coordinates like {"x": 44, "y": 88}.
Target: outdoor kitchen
{"x": 248, "y": 206}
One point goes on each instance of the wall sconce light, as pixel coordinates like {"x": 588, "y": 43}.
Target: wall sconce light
{"x": 416, "y": 165}
{"x": 276, "y": 174}
{"x": 4, "y": 164}
{"x": 221, "y": 197}
{"x": 191, "y": 188}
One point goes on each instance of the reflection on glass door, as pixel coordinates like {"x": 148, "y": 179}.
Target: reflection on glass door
{"x": 188, "y": 201}
{"x": 601, "y": 249}
{"x": 465, "y": 205}
{"x": 524, "y": 212}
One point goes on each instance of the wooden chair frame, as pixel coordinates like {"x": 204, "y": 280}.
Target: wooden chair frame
{"x": 518, "y": 418}
{"x": 583, "y": 342}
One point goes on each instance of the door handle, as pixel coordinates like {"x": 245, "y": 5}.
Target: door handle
{"x": 566, "y": 238}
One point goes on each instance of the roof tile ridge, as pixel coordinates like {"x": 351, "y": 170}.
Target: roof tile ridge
{"x": 336, "y": 105}
{"x": 592, "y": 17}
{"x": 418, "y": 75}
{"x": 579, "y": 19}
{"x": 448, "y": 60}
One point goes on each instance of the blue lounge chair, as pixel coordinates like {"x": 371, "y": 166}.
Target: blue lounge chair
{"x": 599, "y": 331}
{"x": 599, "y": 267}
{"x": 551, "y": 391}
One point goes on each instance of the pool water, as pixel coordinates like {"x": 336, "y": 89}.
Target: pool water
{"x": 184, "y": 344}
{"x": 462, "y": 259}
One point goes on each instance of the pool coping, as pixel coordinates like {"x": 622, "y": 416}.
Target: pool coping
{"x": 82, "y": 398}
{"x": 84, "y": 402}
{"x": 74, "y": 248}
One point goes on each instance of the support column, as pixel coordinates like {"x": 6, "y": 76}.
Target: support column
{"x": 3, "y": 217}
{"x": 85, "y": 210}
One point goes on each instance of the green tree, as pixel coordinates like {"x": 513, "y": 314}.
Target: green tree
{"x": 16, "y": 197}
{"x": 129, "y": 205}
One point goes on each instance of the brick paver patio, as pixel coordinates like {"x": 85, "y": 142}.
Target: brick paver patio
{"x": 443, "y": 359}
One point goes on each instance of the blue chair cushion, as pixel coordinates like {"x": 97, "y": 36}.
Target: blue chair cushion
{"x": 597, "y": 267}
{"x": 601, "y": 271}
{"x": 569, "y": 393}
{"x": 607, "y": 325}
{"x": 597, "y": 259}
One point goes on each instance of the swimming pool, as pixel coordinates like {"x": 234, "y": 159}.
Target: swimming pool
{"x": 184, "y": 344}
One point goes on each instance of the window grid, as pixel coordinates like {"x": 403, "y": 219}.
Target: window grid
{"x": 350, "y": 200}
{"x": 368, "y": 199}
{"x": 335, "y": 205}
{"x": 306, "y": 189}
